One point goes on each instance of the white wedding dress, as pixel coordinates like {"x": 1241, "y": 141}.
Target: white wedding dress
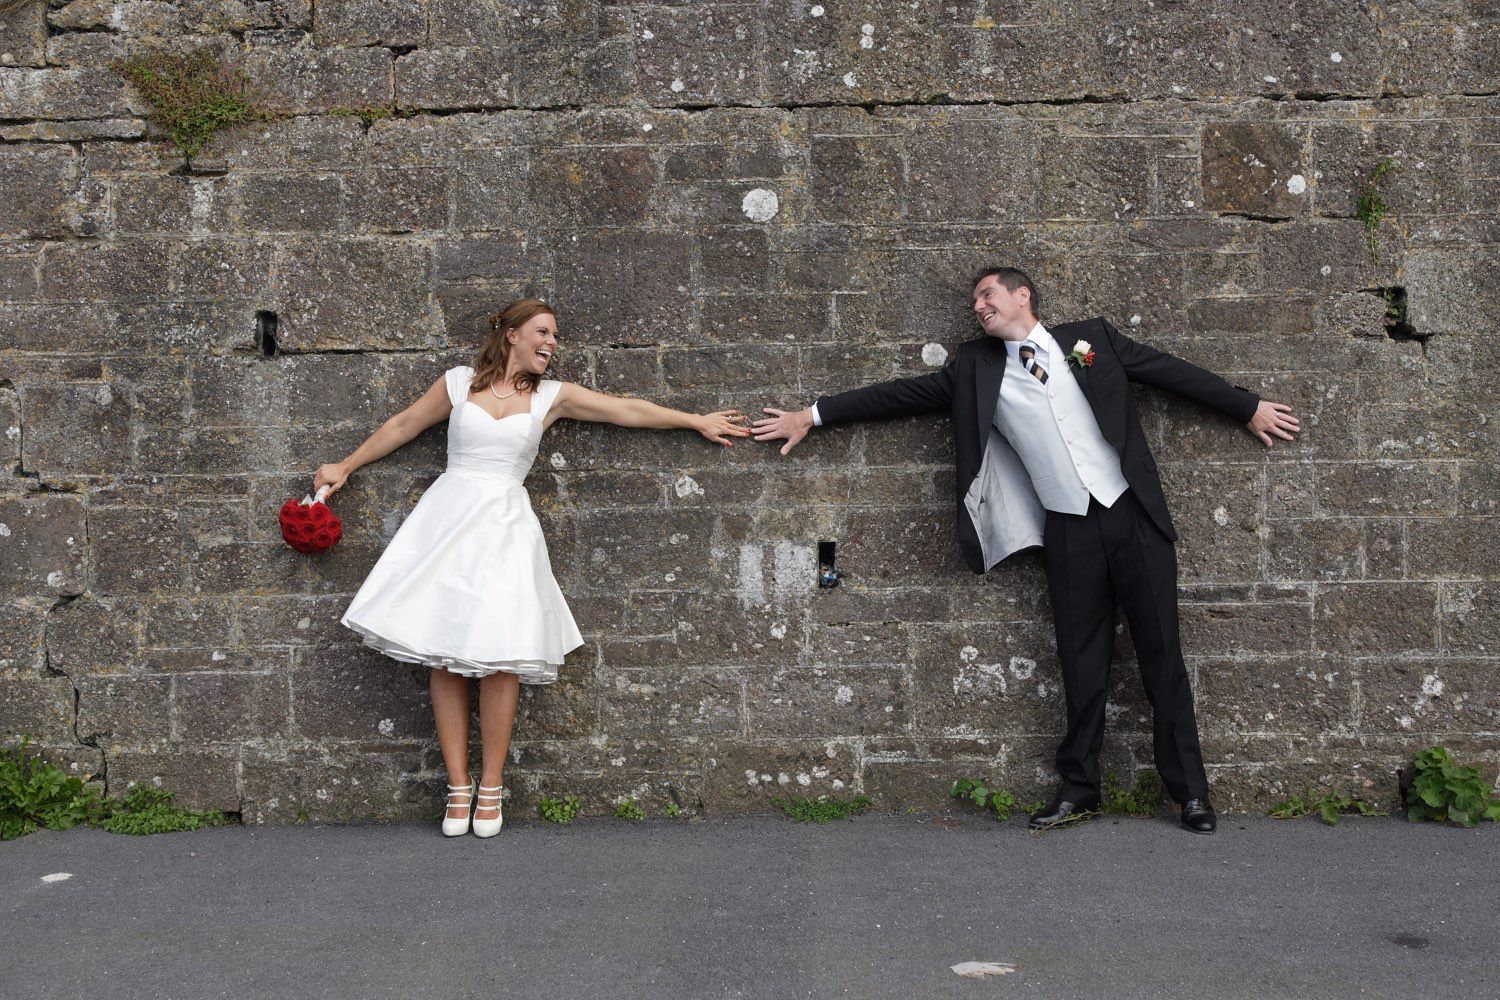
{"x": 465, "y": 585}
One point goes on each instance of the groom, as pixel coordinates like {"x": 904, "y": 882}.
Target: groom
{"x": 1049, "y": 448}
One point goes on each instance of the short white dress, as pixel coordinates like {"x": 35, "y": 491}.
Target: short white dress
{"x": 465, "y": 585}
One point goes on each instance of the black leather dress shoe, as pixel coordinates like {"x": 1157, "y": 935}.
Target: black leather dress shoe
{"x": 1198, "y": 816}
{"x": 1059, "y": 811}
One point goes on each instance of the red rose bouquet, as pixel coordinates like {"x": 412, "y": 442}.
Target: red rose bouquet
{"x": 308, "y": 525}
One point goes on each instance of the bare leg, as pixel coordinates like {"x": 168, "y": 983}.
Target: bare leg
{"x": 498, "y": 694}
{"x": 450, "y": 706}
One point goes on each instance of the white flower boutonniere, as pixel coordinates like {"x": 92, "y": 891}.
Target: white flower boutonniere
{"x": 1082, "y": 354}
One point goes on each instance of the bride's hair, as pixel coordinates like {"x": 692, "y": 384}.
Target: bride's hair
{"x": 495, "y": 354}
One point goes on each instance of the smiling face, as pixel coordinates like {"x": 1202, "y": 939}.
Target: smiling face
{"x": 999, "y": 309}
{"x": 533, "y": 344}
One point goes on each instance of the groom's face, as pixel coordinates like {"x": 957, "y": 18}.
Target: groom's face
{"x": 996, "y": 306}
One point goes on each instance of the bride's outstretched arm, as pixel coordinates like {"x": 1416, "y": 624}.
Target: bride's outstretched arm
{"x": 432, "y": 408}
{"x": 577, "y": 403}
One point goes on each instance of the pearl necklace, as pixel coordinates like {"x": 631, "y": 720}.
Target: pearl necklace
{"x": 506, "y": 396}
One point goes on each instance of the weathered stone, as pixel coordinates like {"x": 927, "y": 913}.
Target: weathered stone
{"x": 625, "y": 287}
{"x": 1416, "y": 696}
{"x": 610, "y": 186}
{"x": 466, "y": 77}
{"x": 1274, "y": 695}
{"x": 1255, "y": 169}
{"x": 742, "y": 776}
{"x": 38, "y": 707}
{"x": 698, "y": 54}
{"x": 44, "y": 543}
{"x": 38, "y": 182}
{"x": 211, "y": 708}
{"x": 297, "y": 203}
{"x": 401, "y": 200}
{"x": 64, "y": 93}
{"x": 1376, "y": 619}
{"x": 1245, "y": 628}
{"x": 301, "y": 786}
{"x": 23, "y": 36}
{"x": 94, "y": 637}
{"x": 124, "y": 711}
{"x": 828, "y": 701}
{"x": 196, "y": 780}
{"x": 355, "y": 694}
{"x": 362, "y": 22}
{"x": 392, "y": 309}
{"x": 314, "y": 80}
{"x": 119, "y": 270}
{"x": 491, "y": 189}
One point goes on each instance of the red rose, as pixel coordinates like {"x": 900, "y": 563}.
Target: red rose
{"x": 323, "y": 539}
{"x": 318, "y": 513}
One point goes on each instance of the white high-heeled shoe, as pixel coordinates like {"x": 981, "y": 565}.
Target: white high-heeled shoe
{"x": 458, "y": 826}
{"x": 488, "y": 827}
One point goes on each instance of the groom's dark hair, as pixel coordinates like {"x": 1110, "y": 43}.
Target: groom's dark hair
{"x": 1013, "y": 278}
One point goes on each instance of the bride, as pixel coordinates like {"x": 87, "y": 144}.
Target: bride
{"x": 465, "y": 586}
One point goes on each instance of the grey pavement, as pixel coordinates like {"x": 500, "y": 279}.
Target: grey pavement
{"x": 876, "y": 907}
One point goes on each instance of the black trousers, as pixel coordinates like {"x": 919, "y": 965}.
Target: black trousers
{"x": 1116, "y": 556}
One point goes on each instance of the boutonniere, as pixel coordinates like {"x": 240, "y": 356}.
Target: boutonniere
{"x": 1082, "y": 354}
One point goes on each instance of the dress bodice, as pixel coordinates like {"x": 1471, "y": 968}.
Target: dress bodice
{"x": 483, "y": 447}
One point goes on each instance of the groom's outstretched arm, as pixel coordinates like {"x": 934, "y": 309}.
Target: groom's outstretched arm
{"x": 1146, "y": 364}
{"x": 901, "y": 397}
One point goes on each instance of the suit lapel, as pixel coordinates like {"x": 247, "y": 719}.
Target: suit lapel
{"x": 1065, "y": 340}
{"x": 988, "y": 372}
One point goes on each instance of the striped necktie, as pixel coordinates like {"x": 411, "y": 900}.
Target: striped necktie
{"x": 1028, "y": 361}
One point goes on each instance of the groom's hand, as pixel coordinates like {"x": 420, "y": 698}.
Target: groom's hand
{"x": 1274, "y": 418}
{"x": 792, "y": 425}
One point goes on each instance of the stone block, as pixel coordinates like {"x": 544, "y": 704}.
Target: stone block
{"x": 699, "y": 54}
{"x": 312, "y": 80}
{"x": 827, "y": 701}
{"x": 1297, "y": 694}
{"x": 196, "y": 780}
{"x": 39, "y": 182}
{"x": 44, "y": 541}
{"x": 338, "y": 23}
{"x": 65, "y": 93}
{"x": 576, "y": 185}
{"x": 129, "y": 270}
{"x": 319, "y": 142}
{"x": 353, "y": 693}
{"x": 953, "y": 177}
{"x": 651, "y": 702}
{"x": 90, "y": 637}
{"x": 393, "y": 308}
{"x": 1323, "y": 549}
{"x": 1384, "y": 488}
{"x": 1376, "y": 619}
{"x": 468, "y": 77}
{"x": 1255, "y": 169}
{"x": 855, "y": 178}
{"x": 490, "y": 189}
{"x": 23, "y": 36}
{"x": 1439, "y": 697}
{"x": 38, "y": 707}
{"x": 1469, "y": 613}
{"x": 399, "y": 200}
{"x": 1228, "y": 629}
{"x": 751, "y": 776}
{"x": 124, "y": 711}
{"x": 1001, "y": 679}
{"x": 567, "y": 710}
{"x": 624, "y": 286}
{"x": 297, "y": 786}
{"x": 290, "y": 203}
{"x": 212, "y": 708}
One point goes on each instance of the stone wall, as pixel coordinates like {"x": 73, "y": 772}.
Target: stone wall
{"x": 742, "y": 204}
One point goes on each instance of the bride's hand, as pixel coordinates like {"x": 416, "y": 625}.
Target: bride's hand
{"x": 721, "y": 426}
{"x": 332, "y": 476}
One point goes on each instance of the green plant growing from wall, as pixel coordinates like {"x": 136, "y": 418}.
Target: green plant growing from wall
{"x": 1443, "y": 790}
{"x": 1327, "y": 807}
{"x": 36, "y": 795}
{"x": 368, "y": 113}
{"x": 1001, "y": 802}
{"x": 823, "y": 808}
{"x": 559, "y": 809}
{"x": 1369, "y": 205}
{"x": 192, "y": 96}
{"x": 1141, "y": 800}
{"x": 629, "y": 809}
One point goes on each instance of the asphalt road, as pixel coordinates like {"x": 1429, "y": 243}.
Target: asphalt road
{"x": 877, "y": 907}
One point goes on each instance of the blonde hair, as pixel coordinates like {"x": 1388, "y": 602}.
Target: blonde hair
{"x": 495, "y": 355}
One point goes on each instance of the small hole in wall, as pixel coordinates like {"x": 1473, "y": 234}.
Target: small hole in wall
{"x": 1397, "y": 325}
{"x": 265, "y": 333}
{"x": 828, "y": 574}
